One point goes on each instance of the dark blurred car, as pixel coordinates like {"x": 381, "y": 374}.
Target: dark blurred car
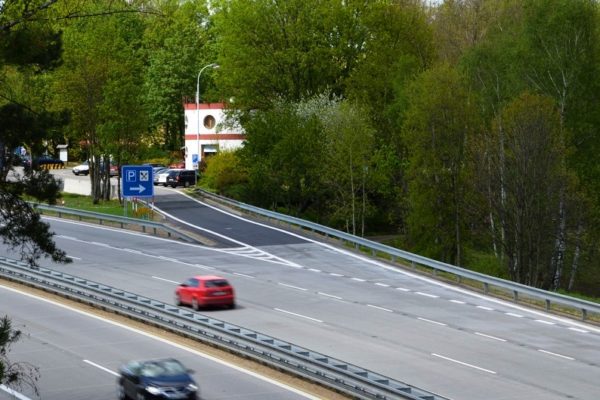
{"x": 47, "y": 162}
{"x": 156, "y": 379}
{"x": 181, "y": 177}
{"x": 205, "y": 290}
{"x": 20, "y": 160}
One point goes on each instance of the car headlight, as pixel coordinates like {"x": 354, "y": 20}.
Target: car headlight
{"x": 191, "y": 387}
{"x": 152, "y": 390}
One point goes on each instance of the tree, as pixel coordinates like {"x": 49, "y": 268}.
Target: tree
{"x": 14, "y": 374}
{"x": 100, "y": 82}
{"x": 282, "y": 154}
{"x": 440, "y": 120}
{"x": 346, "y": 167}
{"x": 175, "y": 45}
{"x": 527, "y": 170}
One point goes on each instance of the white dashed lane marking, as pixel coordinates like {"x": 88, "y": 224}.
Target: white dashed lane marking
{"x": 463, "y": 363}
{"x": 431, "y": 321}
{"x": 163, "y": 279}
{"x": 379, "y": 308}
{"x": 292, "y": 286}
{"x": 244, "y": 275}
{"x": 100, "y": 367}
{"x": 556, "y": 354}
{"x": 329, "y": 295}
{"x": 490, "y": 337}
{"x": 298, "y": 315}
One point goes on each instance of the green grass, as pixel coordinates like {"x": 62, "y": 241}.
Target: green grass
{"x": 111, "y": 207}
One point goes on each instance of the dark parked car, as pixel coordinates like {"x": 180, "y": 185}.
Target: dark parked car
{"x": 181, "y": 177}
{"x": 156, "y": 379}
{"x": 47, "y": 162}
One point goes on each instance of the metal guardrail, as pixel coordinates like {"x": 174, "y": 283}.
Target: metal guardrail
{"x": 516, "y": 289}
{"x": 330, "y": 372}
{"x": 123, "y": 222}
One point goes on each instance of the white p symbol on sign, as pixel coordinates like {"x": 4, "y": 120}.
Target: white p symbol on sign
{"x": 131, "y": 176}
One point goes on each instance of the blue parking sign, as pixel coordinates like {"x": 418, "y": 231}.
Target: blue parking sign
{"x": 138, "y": 181}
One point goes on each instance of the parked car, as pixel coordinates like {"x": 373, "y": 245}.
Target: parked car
{"x": 114, "y": 170}
{"x": 82, "y": 169}
{"x": 160, "y": 177}
{"x": 156, "y": 379}
{"x": 177, "y": 165}
{"x": 47, "y": 162}
{"x": 181, "y": 177}
{"x": 205, "y": 290}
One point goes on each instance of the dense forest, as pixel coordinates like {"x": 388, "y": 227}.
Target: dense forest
{"x": 467, "y": 130}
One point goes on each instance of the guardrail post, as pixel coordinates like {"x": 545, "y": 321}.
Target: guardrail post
{"x": 144, "y": 228}
{"x": 459, "y": 280}
{"x": 101, "y": 221}
{"x": 515, "y": 296}
{"x": 486, "y": 288}
{"x": 547, "y": 304}
{"x": 412, "y": 263}
{"x": 583, "y": 314}
{"x": 434, "y": 272}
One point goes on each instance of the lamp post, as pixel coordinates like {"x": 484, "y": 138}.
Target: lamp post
{"x": 213, "y": 66}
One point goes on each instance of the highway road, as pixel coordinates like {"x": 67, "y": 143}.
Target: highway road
{"x": 444, "y": 339}
{"x": 78, "y": 355}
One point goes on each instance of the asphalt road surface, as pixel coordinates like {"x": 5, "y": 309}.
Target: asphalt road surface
{"x": 78, "y": 355}
{"x": 443, "y": 339}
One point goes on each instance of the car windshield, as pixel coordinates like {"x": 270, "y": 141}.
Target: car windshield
{"x": 217, "y": 283}
{"x": 153, "y": 369}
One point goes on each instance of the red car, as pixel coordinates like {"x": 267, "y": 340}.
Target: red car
{"x": 205, "y": 290}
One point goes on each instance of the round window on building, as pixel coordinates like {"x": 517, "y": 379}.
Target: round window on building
{"x": 209, "y": 122}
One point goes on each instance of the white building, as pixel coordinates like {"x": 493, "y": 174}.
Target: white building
{"x": 206, "y": 132}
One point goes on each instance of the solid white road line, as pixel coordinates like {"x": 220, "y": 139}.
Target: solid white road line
{"x": 485, "y": 308}
{"x": 463, "y": 363}
{"x": 93, "y": 364}
{"x": 297, "y": 315}
{"x": 458, "y": 301}
{"x": 170, "y": 343}
{"x": 14, "y": 393}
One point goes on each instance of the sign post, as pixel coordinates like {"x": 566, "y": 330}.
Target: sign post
{"x": 137, "y": 181}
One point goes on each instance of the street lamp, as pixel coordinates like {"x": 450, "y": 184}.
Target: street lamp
{"x": 213, "y": 66}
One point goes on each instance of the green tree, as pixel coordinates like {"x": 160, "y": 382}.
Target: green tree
{"x": 283, "y": 153}
{"x": 100, "y": 83}
{"x": 527, "y": 170}
{"x": 346, "y": 167}
{"x": 175, "y": 44}
{"x": 438, "y": 123}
